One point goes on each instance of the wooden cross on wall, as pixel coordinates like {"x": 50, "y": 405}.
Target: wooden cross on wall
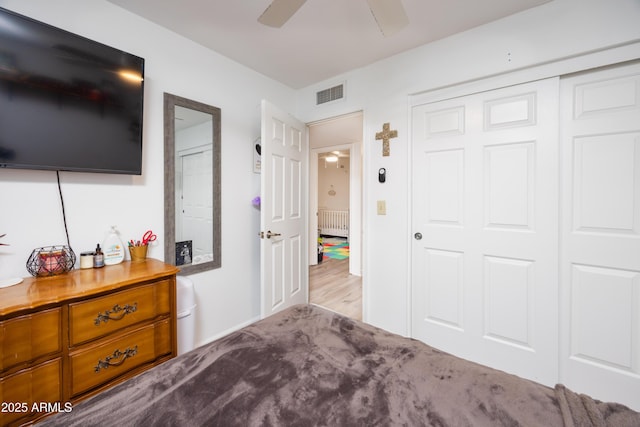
{"x": 385, "y": 136}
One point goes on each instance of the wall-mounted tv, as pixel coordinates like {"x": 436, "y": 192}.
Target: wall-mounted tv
{"x": 67, "y": 102}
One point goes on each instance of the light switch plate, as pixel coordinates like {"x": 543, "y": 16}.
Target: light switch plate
{"x": 382, "y": 207}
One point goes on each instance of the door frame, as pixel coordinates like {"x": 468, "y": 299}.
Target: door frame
{"x": 355, "y": 209}
{"x": 356, "y": 194}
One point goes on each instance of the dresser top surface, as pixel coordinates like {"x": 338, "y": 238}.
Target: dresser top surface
{"x": 35, "y": 292}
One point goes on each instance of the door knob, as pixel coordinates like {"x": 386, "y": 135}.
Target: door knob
{"x": 270, "y": 234}
{"x": 417, "y": 236}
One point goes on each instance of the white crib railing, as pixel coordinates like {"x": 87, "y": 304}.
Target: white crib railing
{"x": 333, "y": 223}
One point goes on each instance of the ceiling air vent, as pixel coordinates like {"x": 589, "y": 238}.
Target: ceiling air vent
{"x": 331, "y": 94}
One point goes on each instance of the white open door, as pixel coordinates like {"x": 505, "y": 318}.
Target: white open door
{"x": 283, "y": 212}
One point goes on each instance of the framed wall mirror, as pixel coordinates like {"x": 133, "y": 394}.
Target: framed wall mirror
{"x": 191, "y": 185}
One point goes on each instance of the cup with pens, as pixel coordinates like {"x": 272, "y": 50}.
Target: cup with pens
{"x": 138, "y": 248}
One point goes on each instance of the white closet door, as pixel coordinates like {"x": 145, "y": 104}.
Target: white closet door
{"x": 485, "y": 205}
{"x": 600, "y": 300}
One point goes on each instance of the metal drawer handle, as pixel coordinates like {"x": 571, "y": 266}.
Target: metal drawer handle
{"x": 116, "y": 313}
{"x": 116, "y": 359}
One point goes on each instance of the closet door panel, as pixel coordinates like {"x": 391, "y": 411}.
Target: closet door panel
{"x": 600, "y": 268}
{"x": 485, "y": 201}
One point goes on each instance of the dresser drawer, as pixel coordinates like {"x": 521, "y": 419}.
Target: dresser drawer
{"x": 39, "y": 384}
{"x": 25, "y": 338}
{"x": 104, "y": 361}
{"x": 98, "y": 317}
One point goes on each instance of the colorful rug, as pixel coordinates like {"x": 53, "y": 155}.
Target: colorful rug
{"x": 335, "y": 248}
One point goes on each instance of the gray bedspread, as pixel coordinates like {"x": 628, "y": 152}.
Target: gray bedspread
{"x": 307, "y": 366}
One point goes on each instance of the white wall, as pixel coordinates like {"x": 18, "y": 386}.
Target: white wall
{"x": 333, "y": 176}
{"x": 562, "y": 29}
{"x": 30, "y": 210}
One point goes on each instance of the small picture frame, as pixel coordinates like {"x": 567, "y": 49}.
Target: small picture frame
{"x": 184, "y": 252}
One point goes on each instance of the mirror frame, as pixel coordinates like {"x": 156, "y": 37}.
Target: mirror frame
{"x": 170, "y": 102}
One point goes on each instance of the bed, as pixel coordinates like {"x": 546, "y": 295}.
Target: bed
{"x": 333, "y": 222}
{"x": 307, "y": 366}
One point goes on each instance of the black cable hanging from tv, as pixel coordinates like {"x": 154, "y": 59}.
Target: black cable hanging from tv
{"x": 64, "y": 215}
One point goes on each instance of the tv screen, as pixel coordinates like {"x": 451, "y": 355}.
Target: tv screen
{"x": 67, "y": 102}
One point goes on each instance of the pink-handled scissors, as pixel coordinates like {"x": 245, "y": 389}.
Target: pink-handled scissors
{"x": 148, "y": 237}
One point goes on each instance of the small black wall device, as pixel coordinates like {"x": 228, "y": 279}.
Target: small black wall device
{"x": 382, "y": 175}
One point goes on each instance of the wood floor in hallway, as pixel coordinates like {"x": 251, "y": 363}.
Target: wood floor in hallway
{"x": 331, "y": 286}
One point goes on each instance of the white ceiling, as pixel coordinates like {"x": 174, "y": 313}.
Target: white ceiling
{"x": 323, "y": 39}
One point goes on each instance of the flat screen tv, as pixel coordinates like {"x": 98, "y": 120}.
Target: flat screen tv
{"x": 66, "y": 102}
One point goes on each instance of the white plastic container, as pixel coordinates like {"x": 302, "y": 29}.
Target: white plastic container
{"x": 113, "y": 248}
{"x": 186, "y": 302}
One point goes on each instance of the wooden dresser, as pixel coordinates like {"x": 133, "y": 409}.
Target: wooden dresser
{"x": 67, "y": 337}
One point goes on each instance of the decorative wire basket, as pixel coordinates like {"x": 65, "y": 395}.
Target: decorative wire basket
{"x": 51, "y": 260}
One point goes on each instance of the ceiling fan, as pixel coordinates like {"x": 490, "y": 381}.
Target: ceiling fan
{"x": 389, "y": 14}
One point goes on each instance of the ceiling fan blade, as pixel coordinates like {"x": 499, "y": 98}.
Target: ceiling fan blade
{"x": 389, "y": 14}
{"x": 279, "y": 12}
